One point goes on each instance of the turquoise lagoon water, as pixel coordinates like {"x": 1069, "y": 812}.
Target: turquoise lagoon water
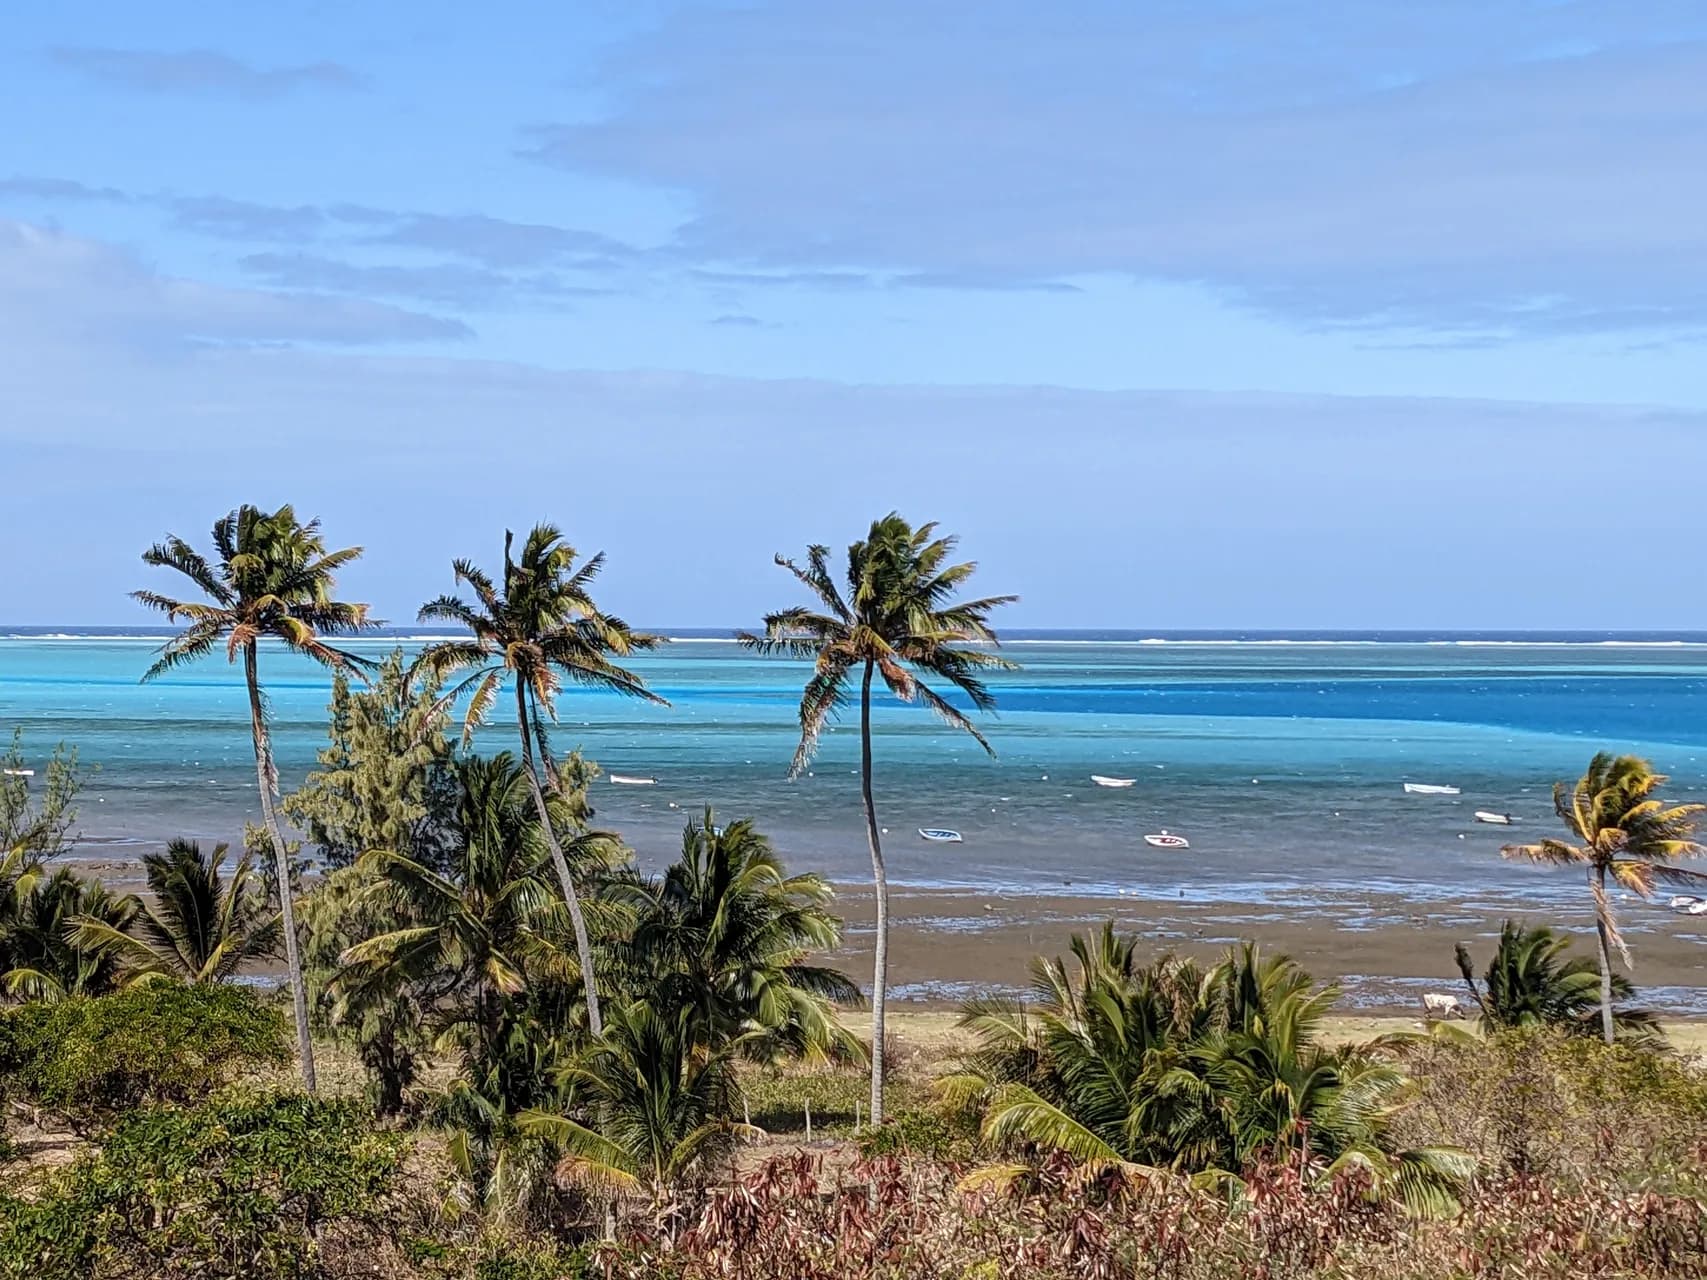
{"x": 1281, "y": 757}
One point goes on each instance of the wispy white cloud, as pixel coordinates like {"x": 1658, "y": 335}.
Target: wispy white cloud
{"x": 87, "y": 292}
{"x": 444, "y": 283}
{"x": 200, "y": 72}
{"x": 56, "y": 189}
{"x": 244, "y": 219}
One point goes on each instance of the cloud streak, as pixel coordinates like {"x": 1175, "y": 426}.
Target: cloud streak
{"x": 201, "y": 73}
{"x": 87, "y": 292}
{"x": 1526, "y": 170}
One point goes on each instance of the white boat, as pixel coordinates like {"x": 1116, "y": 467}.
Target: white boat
{"x": 1429, "y": 789}
{"x": 941, "y": 835}
{"x": 1112, "y": 782}
{"x": 19, "y": 773}
{"x": 1496, "y": 819}
{"x": 1165, "y": 839}
{"x": 1684, "y": 902}
{"x": 629, "y": 780}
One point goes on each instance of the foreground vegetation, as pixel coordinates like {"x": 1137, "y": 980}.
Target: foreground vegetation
{"x": 1587, "y": 1160}
{"x": 544, "y": 1063}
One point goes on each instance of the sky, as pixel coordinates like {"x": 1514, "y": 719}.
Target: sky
{"x": 1216, "y": 313}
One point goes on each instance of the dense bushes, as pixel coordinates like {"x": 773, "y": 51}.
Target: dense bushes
{"x": 1554, "y": 1104}
{"x": 797, "y": 1219}
{"x": 234, "y": 1188}
{"x": 90, "y": 1060}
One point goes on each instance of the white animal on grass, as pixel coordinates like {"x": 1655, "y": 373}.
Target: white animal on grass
{"x": 1436, "y": 1005}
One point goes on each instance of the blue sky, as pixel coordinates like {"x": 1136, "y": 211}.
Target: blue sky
{"x": 1182, "y": 314}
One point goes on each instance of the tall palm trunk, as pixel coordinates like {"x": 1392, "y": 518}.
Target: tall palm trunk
{"x": 880, "y": 887}
{"x": 267, "y": 779}
{"x": 583, "y": 944}
{"x": 1605, "y": 957}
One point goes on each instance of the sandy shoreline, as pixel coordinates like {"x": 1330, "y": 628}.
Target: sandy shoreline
{"x": 1385, "y": 949}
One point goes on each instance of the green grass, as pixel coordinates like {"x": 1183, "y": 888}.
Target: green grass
{"x": 778, "y": 1098}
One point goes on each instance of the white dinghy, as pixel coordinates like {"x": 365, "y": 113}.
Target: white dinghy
{"x": 940, "y": 835}
{"x": 1112, "y": 782}
{"x": 1429, "y": 789}
{"x": 1165, "y": 839}
{"x": 1495, "y": 819}
{"x": 630, "y": 780}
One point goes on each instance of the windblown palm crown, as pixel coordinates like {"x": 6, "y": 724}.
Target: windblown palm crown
{"x": 899, "y": 615}
{"x": 1622, "y": 831}
{"x": 271, "y": 576}
{"x": 542, "y": 627}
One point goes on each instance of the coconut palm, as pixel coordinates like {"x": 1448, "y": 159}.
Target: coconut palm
{"x": 660, "y": 1106}
{"x": 1531, "y": 982}
{"x": 271, "y": 577}
{"x": 540, "y": 628}
{"x": 199, "y": 927}
{"x": 1620, "y": 829}
{"x": 899, "y": 622}
{"x": 1206, "y": 1073}
{"x": 726, "y": 933}
{"x": 40, "y": 953}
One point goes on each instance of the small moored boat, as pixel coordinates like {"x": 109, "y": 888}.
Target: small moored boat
{"x": 940, "y": 835}
{"x": 630, "y": 780}
{"x": 19, "y": 773}
{"x": 1165, "y": 839}
{"x": 1112, "y": 782}
{"x": 1429, "y": 789}
{"x": 1496, "y": 819}
{"x": 1684, "y": 902}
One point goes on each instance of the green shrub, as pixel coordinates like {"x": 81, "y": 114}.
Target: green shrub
{"x": 1540, "y": 1102}
{"x": 92, "y": 1059}
{"x": 934, "y": 1133}
{"x": 238, "y": 1187}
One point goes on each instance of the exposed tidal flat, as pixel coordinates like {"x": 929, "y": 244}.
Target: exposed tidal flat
{"x": 1282, "y": 758}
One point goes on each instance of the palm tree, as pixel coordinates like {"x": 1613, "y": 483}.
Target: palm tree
{"x": 1121, "y": 1065}
{"x": 40, "y": 953}
{"x": 480, "y": 946}
{"x": 463, "y": 939}
{"x": 542, "y": 628}
{"x": 271, "y": 577}
{"x": 1531, "y": 982}
{"x": 900, "y": 622}
{"x": 661, "y": 1106}
{"x": 1624, "y": 831}
{"x": 200, "y": 927}
{"x": 726, "y": 933}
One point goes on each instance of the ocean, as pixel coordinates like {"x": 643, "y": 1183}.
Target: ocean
{"x": 1281, "y": 756}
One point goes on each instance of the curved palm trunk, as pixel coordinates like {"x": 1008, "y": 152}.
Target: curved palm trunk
{"x": 880, "y": 887}
{"x": 1604, "y": 933}
{"x": 583, "y": 944}
{"x": 281, "y": 861}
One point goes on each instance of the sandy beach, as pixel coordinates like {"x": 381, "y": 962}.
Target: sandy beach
{"x": 1383, "y": 949}
{"x": 946, "y": 945}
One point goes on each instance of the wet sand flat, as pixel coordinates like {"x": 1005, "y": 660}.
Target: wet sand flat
{"x": 945, "y": 945}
